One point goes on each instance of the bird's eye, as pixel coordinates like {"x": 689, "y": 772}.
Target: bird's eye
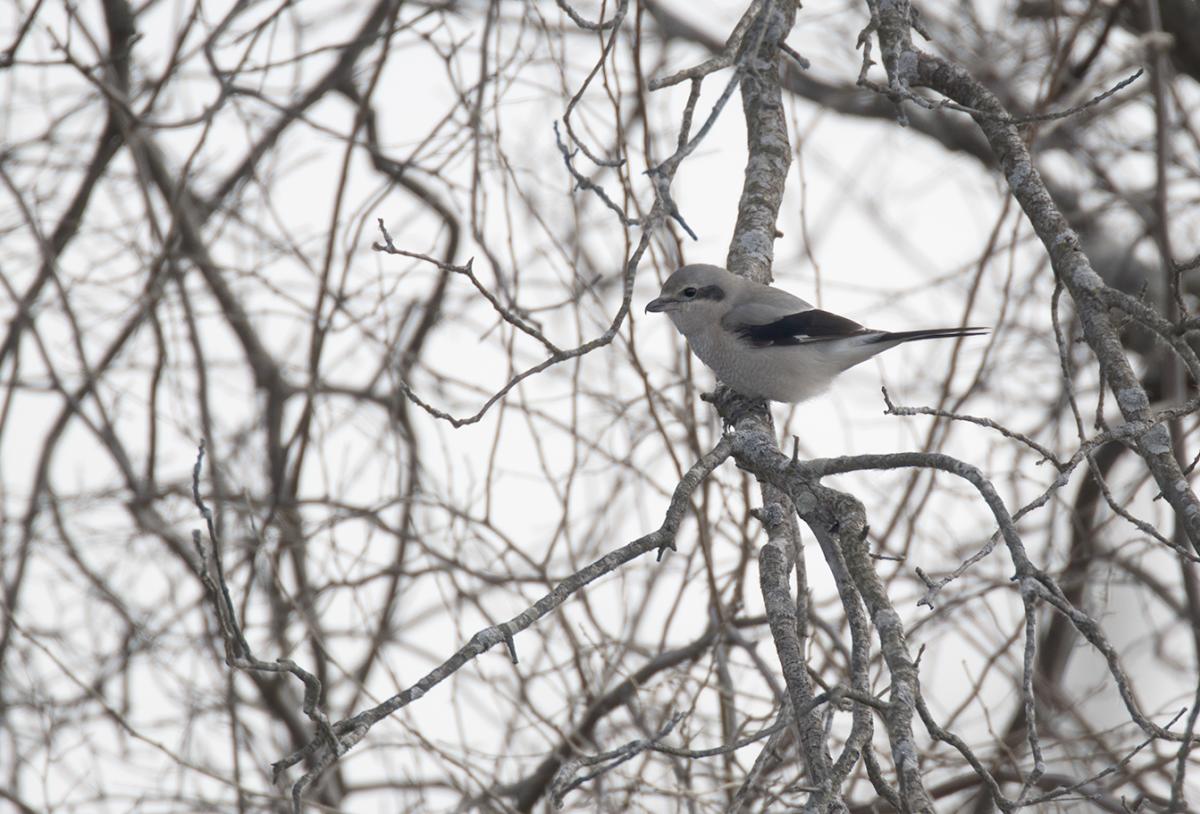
{"x": 689, "y": 292}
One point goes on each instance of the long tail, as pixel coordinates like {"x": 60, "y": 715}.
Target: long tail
{"x": 929, "y": 333}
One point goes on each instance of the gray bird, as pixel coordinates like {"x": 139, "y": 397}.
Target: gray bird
{"x": 765, "y": 343}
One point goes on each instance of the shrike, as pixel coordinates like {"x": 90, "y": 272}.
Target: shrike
{"x": 765, "y": 343}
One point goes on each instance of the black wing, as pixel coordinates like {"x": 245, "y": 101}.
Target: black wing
{"x": 795, "y": 329}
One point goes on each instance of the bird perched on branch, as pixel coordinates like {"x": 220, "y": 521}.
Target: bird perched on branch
{"x": 765, "y": 343}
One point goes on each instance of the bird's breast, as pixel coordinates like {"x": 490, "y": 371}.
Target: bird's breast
{"x": 779, "y": 373}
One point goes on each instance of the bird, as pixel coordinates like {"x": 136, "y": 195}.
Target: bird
{"x": 766, "y": 343}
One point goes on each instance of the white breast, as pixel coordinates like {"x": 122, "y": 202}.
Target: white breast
{"x": 785, "y": 373}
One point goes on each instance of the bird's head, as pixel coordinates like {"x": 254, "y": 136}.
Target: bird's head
{"x": 692, "y": 297}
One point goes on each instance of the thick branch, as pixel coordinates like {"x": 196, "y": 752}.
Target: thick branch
{"x": 1073, "y": 268}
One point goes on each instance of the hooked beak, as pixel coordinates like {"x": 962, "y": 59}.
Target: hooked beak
{"x": 661, "y": 304}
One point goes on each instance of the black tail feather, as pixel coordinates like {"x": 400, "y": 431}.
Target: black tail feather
{"x": 931, "y": 333}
